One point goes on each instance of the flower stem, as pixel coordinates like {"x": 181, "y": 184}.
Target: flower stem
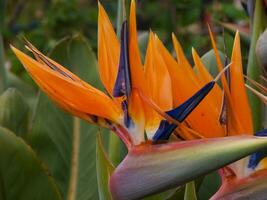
{"x": 73, "y": 183}
{"x": 114, "y": 149}
{"x": 190, "y": 191}
{"x": 120, "y": 7}
{"x": 3, "y": 80}
{"x": 253, "y": 68}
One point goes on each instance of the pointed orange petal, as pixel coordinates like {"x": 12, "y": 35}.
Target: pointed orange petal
{"x": 205, "y": 77}
{"x": 70, "y": 93}
{"x": 219, "y": 65}
{"x": 137, "y": 74}
{"x": 157, "y": 77}
{"x": 238, "y": 90}
{"x": 108, "y": 51}
{"x": 203, "y": 119}
{"x": 182, "y": 60}
{"x": 159, "y": 85}
{"x": 178, "y": 77}
{"x": 232, "y": 118}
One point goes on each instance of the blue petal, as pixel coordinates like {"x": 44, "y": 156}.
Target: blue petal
{"x": 255, "y": 158}
{"x": 123, "y": 82}
{"x": 181, "y": 112}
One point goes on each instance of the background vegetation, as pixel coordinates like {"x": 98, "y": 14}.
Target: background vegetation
{"x": 67, "y": 31}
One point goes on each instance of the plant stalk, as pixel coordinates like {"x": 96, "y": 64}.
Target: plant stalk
{"x": 253, "y": 68}
{"x": 72, "y": 190}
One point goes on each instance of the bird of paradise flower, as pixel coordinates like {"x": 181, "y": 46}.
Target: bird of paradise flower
{"x": 145, "y": 105}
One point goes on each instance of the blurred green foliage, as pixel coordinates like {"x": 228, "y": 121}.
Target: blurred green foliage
{"x": 46, "y": 22}
{"x": 58, "y": 27}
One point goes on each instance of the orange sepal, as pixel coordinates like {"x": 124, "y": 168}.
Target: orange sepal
{"x": 71, "y": 94}
{"x": 205, "y": 77}
{"x": 137, "y": 74}
{"x": 182, "y": 60}
{"x": 232, "y": 117}
{"x": 159, "y": 84}
{"x": 203, "y": 119}
{"x": 238, "y": 92}
{"x": 108, "y": 50}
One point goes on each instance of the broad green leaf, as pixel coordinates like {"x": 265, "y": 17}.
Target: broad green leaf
{"x": 142, "y": 43}
{"x": 149, "y": 169}
{"x": 210, "y": 184}
{"x": 28, "y": 91}
{"x": 3, "y": 79}
{"x": 120, "y": 11}
{"x": 14, "y": 112}
{"x": 164, "y": 195}
{"x": 23, "y": 176}
{"x": 253, "y": 69}
{"x": 65, "y": 143}
{"x": 116, "y": 149}
{"x": 2, "y": 14}
{"x": 261, "y": 50}
{"x": 76, "y": 54}
{"x": 104, "y": 169}
{"x": 190, "y": 191}
{"x": 209, "y": 61}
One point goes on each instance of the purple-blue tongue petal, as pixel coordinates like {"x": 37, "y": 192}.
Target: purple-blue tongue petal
{"x": 181, "y": 112}
{"x": 258, "y": 156}
{"x": 123, "y": 82}
{"x": 122, "y": 86}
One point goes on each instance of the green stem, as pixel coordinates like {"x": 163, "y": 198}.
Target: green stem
{"x": 114, "y": 149}
{"x": 3, "y": 80}
{"x": 190, "y": 191}
{"x": 253, "y": 68}
{"x": 120, "y": 8}
{"x": 73, "y": 183}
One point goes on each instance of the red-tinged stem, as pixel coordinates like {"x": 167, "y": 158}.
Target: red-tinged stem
{"x": 122, "y": 134}
{"x": 251, "y": 187}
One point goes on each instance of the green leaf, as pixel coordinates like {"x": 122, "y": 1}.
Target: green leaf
{"x": 104, "y": 170}
{"x": 142, "y": 43}
{"x": 210, "y": 63}
{"x": 22, "y": 176}
{"x": 210, "y": 184}
{"x": 76, "y": 54}
{"x": 163, "y": 195}
{"x": 3, "y": 79}
{"x": 2, "y": 14}
{"x": 120, "y": 11}
{"x": 253, "y": 69}
{"x": 116, "y": 149}
{"x": 28, "y": 91}
{"x": 190, "y": 191}
{"x": 149, "y": 169}
{"x": 67, "y": 144}
{"x": 14, "y": 112}
{"x": 261, "y": 50}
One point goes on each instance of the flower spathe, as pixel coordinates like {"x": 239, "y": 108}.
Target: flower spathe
{"x": 146, "y": 103}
